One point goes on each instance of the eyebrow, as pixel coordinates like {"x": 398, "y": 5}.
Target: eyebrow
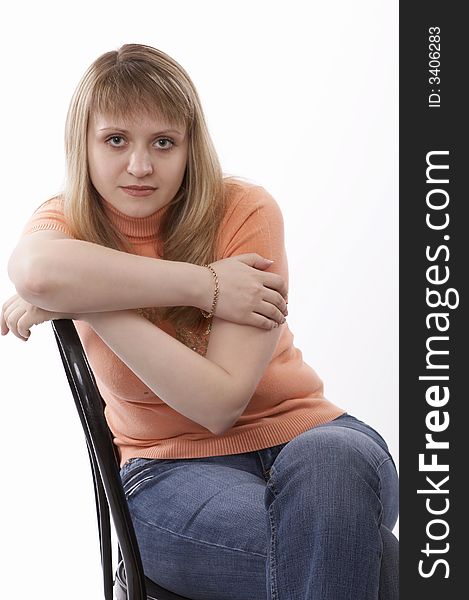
{"x": 164, "y": 131}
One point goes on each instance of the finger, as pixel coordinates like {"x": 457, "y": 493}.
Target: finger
{"x": 276, "y": 282}
{"x": 276, "y": 299}
{"x": 4, "y": 326}
{"x": 23, "y": 325}
{"x": 262, "y": 322}
{"x": 272, "y": 312}
{"x": 5, "y": 311}
{"x": 12, "y": 319}
{"x": 256, "y": 261}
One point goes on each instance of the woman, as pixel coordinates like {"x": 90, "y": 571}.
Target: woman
{"x": 243, "y": 480}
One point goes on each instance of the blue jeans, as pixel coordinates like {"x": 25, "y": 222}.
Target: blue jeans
{"x": 310, "y": 519}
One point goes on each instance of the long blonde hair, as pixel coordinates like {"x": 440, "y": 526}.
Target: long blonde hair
{"x": 141, "y": 80}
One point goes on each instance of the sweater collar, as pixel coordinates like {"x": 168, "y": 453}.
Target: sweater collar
{"x": 135, "y": 227}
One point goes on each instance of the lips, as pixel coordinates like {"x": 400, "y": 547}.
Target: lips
{"x": 138, "y": 191}
{"x": 139, "y": 187}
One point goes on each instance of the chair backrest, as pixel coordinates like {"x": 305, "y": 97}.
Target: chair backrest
{"x": 104, "y": 460}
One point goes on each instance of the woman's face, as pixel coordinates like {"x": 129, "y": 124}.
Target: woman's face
{"x": 141, "y": 152}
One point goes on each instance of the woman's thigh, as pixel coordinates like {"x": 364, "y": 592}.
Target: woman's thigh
{"x": 201, "y": 524}
{"x": 342, "y": 448}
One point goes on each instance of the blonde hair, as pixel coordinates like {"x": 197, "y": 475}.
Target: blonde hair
{"x": 150, "y": 82}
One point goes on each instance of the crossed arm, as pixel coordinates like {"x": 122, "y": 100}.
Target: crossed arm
{"x": 213, "y": 390}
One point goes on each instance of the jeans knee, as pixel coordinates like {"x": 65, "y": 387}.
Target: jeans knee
{"x": 330, "y": 455}
{"x": 334, "y": 445}
{"x": 334, "y": 472}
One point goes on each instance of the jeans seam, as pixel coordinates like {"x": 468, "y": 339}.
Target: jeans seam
{"x": 381, "y": 512}
{"x": 273, "y": 563}
{"x": 265, "y": 472}
{"x": 186, "y": 537}
{"x": 378, "y": 469}
{"x": 273, "y": 544}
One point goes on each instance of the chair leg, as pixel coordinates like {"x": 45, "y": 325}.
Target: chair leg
{"x": 104, "y": 529}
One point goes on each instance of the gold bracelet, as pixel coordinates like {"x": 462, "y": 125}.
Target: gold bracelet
{"x": 215, "y": 296}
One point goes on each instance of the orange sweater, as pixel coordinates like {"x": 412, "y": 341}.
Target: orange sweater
{"x": 289, "y": 397}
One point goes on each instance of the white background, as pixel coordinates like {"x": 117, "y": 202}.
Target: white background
{"x": 300, "y": 98}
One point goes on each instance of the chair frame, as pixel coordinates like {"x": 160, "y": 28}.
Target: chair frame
{"x": 104, "y": 459}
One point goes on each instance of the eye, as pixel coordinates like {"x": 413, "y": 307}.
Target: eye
{"x": 115, "y": 141}
{"x": 168, "y": 143}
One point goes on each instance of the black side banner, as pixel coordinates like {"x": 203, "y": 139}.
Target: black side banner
{"x": 434, "y": 358}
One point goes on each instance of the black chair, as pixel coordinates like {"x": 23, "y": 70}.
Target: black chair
{"x": 130, "y": 582}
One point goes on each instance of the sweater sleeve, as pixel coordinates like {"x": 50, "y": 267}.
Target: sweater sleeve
{"x": 49, "y": 215}
{"x": 255, "y": 224}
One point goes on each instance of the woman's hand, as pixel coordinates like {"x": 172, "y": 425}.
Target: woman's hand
{"x": 248, "y": 296}
{"x": 18, "y": 316}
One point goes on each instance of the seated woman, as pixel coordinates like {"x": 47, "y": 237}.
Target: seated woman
{"x": 243, "y": 481}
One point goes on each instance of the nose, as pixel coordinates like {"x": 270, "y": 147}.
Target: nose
{"x": 140, "y": 163}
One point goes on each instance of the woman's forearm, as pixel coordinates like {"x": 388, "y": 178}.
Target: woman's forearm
{"x": 80, "y": 277}
{"x": 192, "y": 385}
